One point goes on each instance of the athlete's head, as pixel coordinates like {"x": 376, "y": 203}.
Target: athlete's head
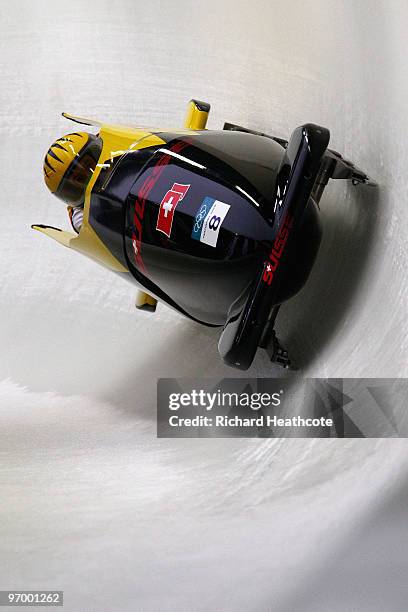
{"x": 69, "y": 164}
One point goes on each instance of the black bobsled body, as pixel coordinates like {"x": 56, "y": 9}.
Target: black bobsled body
{"x": 221, "y": 225}
{"x": 208, "y": 281}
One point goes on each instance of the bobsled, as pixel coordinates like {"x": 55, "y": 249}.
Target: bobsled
{"x": 221, "y": 225}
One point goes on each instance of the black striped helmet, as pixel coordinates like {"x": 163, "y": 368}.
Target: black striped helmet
{"x": 69, "y": 165}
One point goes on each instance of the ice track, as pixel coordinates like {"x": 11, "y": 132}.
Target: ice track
{"x": 91, "y": 501}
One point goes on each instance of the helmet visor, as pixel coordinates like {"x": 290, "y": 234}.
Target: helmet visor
{"x": 73, "y": 185}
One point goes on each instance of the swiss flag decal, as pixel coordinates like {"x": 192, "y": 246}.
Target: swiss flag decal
{"x": 168, "y": 206}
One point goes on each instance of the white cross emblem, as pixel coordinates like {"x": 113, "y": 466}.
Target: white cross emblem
{"x": 167, "y": 206}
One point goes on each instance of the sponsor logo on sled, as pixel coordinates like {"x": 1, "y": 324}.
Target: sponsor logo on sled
{"x": 272, "y": 263}
{"x": 208, "y": 221}
{"x": 168, "y": 206}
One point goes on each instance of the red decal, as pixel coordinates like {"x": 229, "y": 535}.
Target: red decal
{"x": 140, "y": 202}
{"x": 168, "y": 206}
{"x": 272, "y": 263}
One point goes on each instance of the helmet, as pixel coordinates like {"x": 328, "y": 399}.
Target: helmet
{"x": 69, "y": 165}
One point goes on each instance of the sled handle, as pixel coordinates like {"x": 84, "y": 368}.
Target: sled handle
{"x": 197, "y": 115}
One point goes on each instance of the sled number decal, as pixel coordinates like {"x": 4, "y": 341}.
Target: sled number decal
{"x": 168, "y": 206}
{"x": 208, "y": 221}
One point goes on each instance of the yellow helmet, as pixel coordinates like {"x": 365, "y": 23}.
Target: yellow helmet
{"x": 69, "y": 164}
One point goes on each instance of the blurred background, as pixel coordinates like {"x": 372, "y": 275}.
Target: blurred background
{"x": 91, "y": 501}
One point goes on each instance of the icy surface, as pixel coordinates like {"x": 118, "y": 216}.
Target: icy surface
{"x": 91, "y": 501}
